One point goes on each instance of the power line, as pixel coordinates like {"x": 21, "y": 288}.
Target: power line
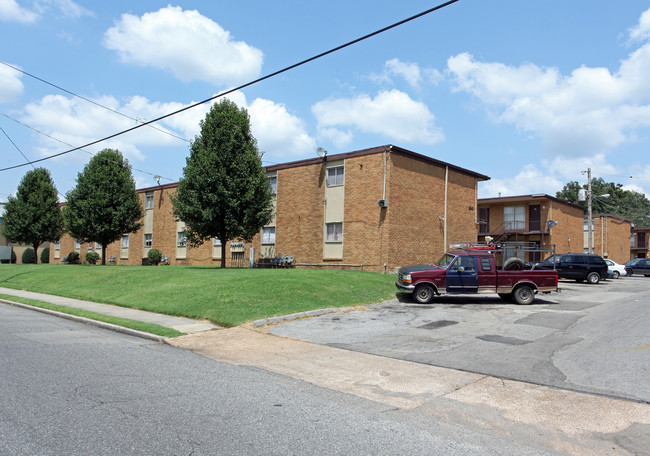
{"x": 70, "y": 145}
{"x": 91, "y": 101}
{"x": 17, "y": 148}
{"x": 263, "y": 78}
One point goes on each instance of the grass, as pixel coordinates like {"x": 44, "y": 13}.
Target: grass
{"x": 227, "y": 297}
{"x": 124, "y": 322}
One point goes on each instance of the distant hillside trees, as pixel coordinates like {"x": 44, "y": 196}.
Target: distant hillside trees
{"x": 624, "y": 203}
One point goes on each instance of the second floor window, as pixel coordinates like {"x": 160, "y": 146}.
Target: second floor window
{"x": 514, "y": 217}
{"x": 335, "y": 176}
{"x": 148, "y": 200}
{"x": 181, "y": 239}
{"x": 125, "y": 241}
{"x": 274, "y": 184}
{"x": 148, "y": 240}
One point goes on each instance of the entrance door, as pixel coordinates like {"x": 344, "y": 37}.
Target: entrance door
{"x": 462, "y": 276}
{"x": 534, "y": 220}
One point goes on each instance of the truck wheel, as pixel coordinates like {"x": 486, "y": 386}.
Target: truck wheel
{"x": 628, "y": 272}
{"x": 506, "y": 296}
{"x": 423, "y": 293}
{"x": 524, "y": 295}
{"x": 593, "y": 278}
{"x": 513, "y": 264}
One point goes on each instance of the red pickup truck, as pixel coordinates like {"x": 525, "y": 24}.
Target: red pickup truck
{"x": 464, "y": 272}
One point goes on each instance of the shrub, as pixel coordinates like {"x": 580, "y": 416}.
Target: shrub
{"x": 92, "y": 257}
{"x": 45, "y": 255}
{"x": 29, "y": 257}
{"x": 154, "y": 256}
{"x": 73, "y": 258}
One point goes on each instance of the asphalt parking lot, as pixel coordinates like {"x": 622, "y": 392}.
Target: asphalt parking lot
{"x": 588, "y": 338}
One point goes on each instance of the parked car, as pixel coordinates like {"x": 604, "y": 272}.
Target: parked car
{"x": 638, "y": 266}
{"x": 577, "y": 266}
{"x": 615, "y": 270}
{"x": 473, "y": 272}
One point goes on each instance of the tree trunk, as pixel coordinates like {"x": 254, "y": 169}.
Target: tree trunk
{"x": 223, "y": 254}
{"x": 35, "y": 253}
{"x": 103, "y": 255}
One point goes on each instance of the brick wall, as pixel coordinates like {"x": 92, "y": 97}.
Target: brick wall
{"x": 611, "y": 238}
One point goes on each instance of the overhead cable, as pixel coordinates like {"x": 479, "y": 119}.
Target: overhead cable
{"x": 263, "y": 78}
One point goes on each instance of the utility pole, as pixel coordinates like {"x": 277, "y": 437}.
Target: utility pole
{"x": 590, "y": 233}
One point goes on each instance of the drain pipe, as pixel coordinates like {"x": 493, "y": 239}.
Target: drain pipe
{"x": 445, "y": 216}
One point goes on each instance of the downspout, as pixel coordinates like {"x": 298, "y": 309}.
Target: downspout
{"x": 445, "y": 216}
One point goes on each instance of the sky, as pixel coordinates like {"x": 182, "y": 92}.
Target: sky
{"x": 531, "y": 94}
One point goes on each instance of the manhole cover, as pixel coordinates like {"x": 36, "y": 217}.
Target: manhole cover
{"x": 438, "y": 324}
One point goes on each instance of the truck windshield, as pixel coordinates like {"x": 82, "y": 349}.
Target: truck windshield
{"x": 444, "y": 261}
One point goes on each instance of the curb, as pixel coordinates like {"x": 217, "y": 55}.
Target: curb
{"x": 88, "y": 321}
{"x": 296, "y": 316}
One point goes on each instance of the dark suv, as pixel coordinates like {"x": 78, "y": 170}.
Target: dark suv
{"x": 577, "y": 266}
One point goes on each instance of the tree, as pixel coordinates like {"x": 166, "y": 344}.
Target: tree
{"x": 34, "y": 215}
{"x": 624, "y": 203}
{"x": 224, "y": 192}
{"x": 103, "y": 205}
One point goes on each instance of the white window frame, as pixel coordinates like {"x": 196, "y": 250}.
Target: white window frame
{"x": 273, "y": 181}
{"x": 181, "y": 239}
{"x": 514, "y": 217}
{"x": 148, "y": 200}
{"x": 77, "y": 244}
{"x": 268, "y": 235}
{"x": 335, "y": 176}
{"x": 216, "y": 241}
{"x": 125, "y": 241}
{"x": 334, "y": 232}
{"x": 148, "y": 243}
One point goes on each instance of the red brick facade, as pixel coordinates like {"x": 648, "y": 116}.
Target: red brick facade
{"x": 428, "y": 202}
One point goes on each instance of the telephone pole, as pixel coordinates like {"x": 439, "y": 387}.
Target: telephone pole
{"x": 590, "y": 233}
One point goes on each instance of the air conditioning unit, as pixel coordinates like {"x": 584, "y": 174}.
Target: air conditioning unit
{"x": 383, "y": 203}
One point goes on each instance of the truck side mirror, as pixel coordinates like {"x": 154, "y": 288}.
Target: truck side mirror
{"x": 461, "y": 269}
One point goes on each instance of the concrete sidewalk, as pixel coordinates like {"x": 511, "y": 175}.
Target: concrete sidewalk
{"x": 182, "y": 324}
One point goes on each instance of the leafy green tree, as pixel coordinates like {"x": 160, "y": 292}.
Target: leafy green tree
{"x": 224, "y": 192}
{"x": 104, "y": 204}
{"x": 624, "y": 203}
{"x": 34, "y": 215}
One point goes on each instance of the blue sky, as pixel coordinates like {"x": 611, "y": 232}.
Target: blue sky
{"x": 528, "y": 93}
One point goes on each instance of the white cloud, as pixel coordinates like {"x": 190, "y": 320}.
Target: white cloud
{"x": 11, "y": 87}
{"x": 189, "y": 45}
{"x": 591, "y": 111}
{"x": 410, "y": 72}
{"x": 641, "y": 31}
{"x": 67, "y": 8}
{"x": 528, "y": 181}
{"x": 392, "y": 114}
{"x": 10, "y": 11}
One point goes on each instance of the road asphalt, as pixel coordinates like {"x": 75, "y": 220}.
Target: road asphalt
{"x": 566, "y": 422}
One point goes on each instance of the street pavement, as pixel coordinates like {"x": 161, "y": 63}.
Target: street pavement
{"x": 569, "y": 422}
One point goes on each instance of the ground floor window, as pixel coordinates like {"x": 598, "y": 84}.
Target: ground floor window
{"x": 268, "y": 235}
{"x": 334, "y": 232}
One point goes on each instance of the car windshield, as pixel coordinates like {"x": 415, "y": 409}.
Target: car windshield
{"x": 444, "y": 261}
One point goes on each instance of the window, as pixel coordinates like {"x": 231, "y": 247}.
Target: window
{"x": 148, "y": 200}
{"x": 334, "y": 232}
{"x": 586, "y": 225}
{"x": 466, "y": 262}
{"x": 57, "y": 245}
{"x": 125, "y": 241}
{"x": 77, "y": 244}
{"x": 268, "y": 235}
{"x": 216, "y": 241}
{"x": 274, "y": 184}
{"x": 514, "y": 217}
{"x": 148, "y": 240}
{"x": 335, "y": 176}
{"x": 181, "y": 239}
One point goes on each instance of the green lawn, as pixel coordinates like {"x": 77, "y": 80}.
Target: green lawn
{"x": 227, "y": 297}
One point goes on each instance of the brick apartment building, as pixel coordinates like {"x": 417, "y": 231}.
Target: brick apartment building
{"x": 610, "y": 237}
{"x": 373, "y": 209}
{"x": 640, "y": 248}
{"x": 536, "y": 220}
